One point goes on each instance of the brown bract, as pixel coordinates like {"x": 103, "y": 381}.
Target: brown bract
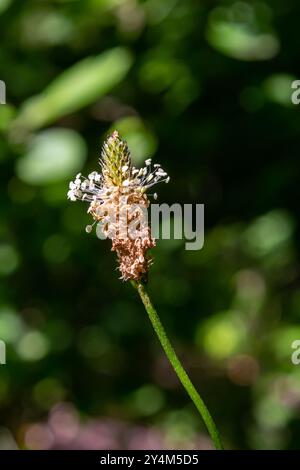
{"x": 123, "y": 217}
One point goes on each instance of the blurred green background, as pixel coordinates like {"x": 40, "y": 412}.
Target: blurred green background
{"x": 205, "y": 88}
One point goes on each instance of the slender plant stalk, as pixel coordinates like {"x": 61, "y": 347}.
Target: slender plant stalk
{"x": 180, "y": 371}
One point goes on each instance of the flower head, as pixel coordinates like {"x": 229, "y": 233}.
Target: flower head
{"x": 117, "y": 199}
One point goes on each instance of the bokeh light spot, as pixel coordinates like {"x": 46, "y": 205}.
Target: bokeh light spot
{"x": 53, "y": 155}
{"x": 148, "y": 400}
{"x": 33, "y": 346}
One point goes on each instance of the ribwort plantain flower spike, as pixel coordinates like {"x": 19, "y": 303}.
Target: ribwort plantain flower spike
{"x": 111, "y": 195}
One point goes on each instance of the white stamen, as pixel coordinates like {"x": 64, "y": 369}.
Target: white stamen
{"x": 71, "y": 195}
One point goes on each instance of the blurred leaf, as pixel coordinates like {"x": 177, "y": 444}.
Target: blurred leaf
{"x": 4, "y": 4}
{"x": 237, "y": 32}
{"x": 75, "y": 88}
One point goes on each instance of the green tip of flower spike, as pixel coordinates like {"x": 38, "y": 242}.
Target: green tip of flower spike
{"x": 116, "y": 161}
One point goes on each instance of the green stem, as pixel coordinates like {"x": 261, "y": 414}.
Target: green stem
{"x": 181, "y": 373}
